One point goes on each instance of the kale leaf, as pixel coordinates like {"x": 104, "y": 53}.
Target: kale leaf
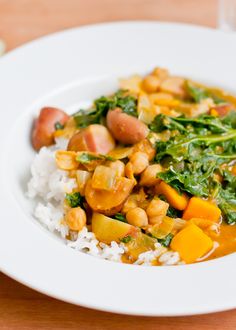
{"x": 171, "y": 212}
{"x": 191, "y": 160}
{"x": 58, "y": 126}
{"x": 86, "y": 158}
{"x": 126, "y": 239}
{"x": 127, "y": 103}
{"x": 190, "y": 125}
{"x": 75, "y": 199}
{"x": 166, "y": 240}
{"x": 197, "y": 94}
{"x": 120, "y": 217}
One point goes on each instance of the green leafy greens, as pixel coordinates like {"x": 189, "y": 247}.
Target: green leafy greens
{"x": 58, "y": 126}
{"x": 127, "y": 103}
{"x": 126, "y": 239}
{"x": 86, "y": 158}
{"x": 120, "y": 217}
{"x": 197, "y": 94}
{"x": 75, "y": 199}
{"x": 195, "y": 154}
{"x": 166, "y": 240}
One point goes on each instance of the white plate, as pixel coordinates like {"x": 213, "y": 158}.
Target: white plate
{"x": 70, "y": 68}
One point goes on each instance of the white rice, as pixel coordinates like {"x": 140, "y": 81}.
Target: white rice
{"x": 47, "y": 187}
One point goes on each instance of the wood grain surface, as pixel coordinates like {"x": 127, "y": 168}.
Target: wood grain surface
{"x": 22, "y": 21}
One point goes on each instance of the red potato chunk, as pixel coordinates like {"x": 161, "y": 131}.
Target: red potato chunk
{"x": 222, "y": 110}
{"x": 125, "y": 128}
{"x": 95, "y": 138}
{"x": 44, "y": 126}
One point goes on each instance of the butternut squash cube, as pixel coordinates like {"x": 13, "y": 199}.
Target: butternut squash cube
{"x": 191, "y": 243}
{"x": 178, "y": 201}
{"x": 200, "y": 208}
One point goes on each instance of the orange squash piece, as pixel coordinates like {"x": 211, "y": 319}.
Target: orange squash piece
{"x": 178, "y": 201}
{"x": 200, "y": 208}
{"x": 234, "y": 170}
{"x": 191, "y": 243}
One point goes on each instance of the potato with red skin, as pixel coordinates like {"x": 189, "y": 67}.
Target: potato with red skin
{"x": 125, "y": 128}
{"x": 44, "y": 126}
{"x": 223, "y": 110}
{"x": 95, "y": 138}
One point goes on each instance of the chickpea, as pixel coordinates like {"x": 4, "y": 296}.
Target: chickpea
{"x": 155, "y": 220}
{"x": 173, "y": 85}
{"x": 139, "y": 161}
{"x": 160, "y": 73}
{"x": 137, "y": 217}
{"x": 118, "y": 166}
{"x": 156, "y": 210}
{"x": 146, "y": 147}
{"x": 75, "y": 218}
{"x": 131, "y": 203}
{"x": 149, "y": 176}
{"x": 151, "y": 84}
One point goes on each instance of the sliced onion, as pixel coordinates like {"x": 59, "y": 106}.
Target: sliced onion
{"x": 164, "y": 228}
{"x": 104, "y": 178}
{"x": 82, "y": 178}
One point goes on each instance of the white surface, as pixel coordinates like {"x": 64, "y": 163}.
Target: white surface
{"x": 68, "y": 69}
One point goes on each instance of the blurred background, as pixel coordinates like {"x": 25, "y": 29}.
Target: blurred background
{"x": 24, "y": 20}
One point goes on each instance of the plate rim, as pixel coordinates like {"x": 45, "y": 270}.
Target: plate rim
{"x": 95, "y": 306}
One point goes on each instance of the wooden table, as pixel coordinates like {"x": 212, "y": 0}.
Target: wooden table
{"x": 22, "y": 21}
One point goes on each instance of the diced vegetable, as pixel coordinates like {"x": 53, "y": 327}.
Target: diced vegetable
{"x": 108, "y": 202}
{"x": 82, "y": 178}
{"x": 161, "y": 230}
{"x": 202, "y": 223}
{"x": 120, "y": 153}
{"x": 146, "y": 111}
{"x": 151, "y": 83}
{"x": 234, "y": 170}
{"x": 140, "y": 244}
{"x": 191, "y": 243}
{"x": 132, "y": 84}
{"x": 104, "y": 178}
{"x": 177, "y": 200}
{"x": 200, "y": 208}
{"x": 107, "y": 229}
{"x": 118, "y": 166}
{"x": 66, "y": 160}
{"x": 174, "y": 85}
{"x": 95, "y": 138}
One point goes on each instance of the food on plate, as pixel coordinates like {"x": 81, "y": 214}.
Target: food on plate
{"x": 146, "y": 176}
